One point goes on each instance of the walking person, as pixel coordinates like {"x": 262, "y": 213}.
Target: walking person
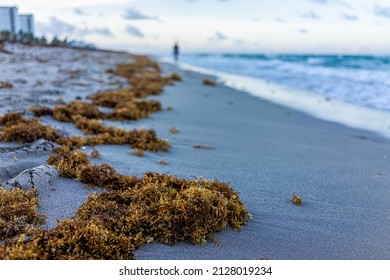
{"x": 176, "y": 52}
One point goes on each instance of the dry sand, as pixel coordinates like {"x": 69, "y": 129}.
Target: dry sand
{"x": 267, "y": 152}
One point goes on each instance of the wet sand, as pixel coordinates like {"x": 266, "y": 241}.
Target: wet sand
{"x": 268, "y": 152}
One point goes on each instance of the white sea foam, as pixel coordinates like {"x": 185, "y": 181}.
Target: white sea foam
{"x": 313, "y": 104}
{"x": 360, "y": 80}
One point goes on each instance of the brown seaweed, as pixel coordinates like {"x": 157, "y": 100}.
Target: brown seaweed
{"x": 18, "y": 213}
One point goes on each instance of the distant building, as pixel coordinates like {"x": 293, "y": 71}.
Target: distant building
{"x": 26, "y": 24}
{"x": 9, "y": 19}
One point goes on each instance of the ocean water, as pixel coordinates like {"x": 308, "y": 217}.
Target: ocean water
{"x": 349, "y": 90}
{"x": 359, "y": 80}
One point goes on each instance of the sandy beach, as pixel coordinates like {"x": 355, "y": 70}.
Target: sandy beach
{"x": 265, "y": 152}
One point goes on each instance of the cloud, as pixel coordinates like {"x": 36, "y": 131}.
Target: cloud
{"x": 342, "y": 3}
{"x": 133, "y": 14}
{"x": 103, "y": 32}
{"x": 79, "y": 12}
{"x": 280, "y": 20}
{"x": 56, "y": 27}
{"x": 337, "y": 2}
{"x": 382, "y": 11}
{"x": 239, "y": 42}
{"x": 324, "y": 2}
{"x": 311, "y": 15}
{"x": 218, "y": 36}
{"x": 349, "y": 17}
{"x": 197, "y": 0}
{"x": 134, "y": 31}
{"x": 303, "y": 30}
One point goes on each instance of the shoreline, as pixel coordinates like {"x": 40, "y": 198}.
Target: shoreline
{"x": 313, "y": 104}
{"x": 267, "y": 152}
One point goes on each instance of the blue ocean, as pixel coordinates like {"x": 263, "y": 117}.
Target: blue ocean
{"x": 360, "y": 80}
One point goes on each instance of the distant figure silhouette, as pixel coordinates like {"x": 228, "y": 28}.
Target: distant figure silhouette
{"x": 176, "y": 52}
{"x": 2, "y": 42}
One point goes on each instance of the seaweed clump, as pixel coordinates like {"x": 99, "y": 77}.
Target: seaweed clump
{"x": 137, "y": 152}
{"x": 104, "y": 175}
{"x": 145, "y": 78}
{"x": 75, "y": 109}
{"x": 173, "y": 130}
{"x": 144, "y": 139}
{"x": 22, "y": 130}
{"x": 298, "y": 201}
{"x": 11, "y": 118}
{"x": 95, "y": 154}
{"x": 144, "y": 75}
{"x": 208, "y": 82}
{"x": 129, "y": 211}
{"x": 168, "y": 209}
{"x": 125, "y": 104}
{"x": 72, "y": 240}
{"x": 112, "y": 224}
{"x": 176, "y": 77}
{"x": 75, "y": 164}
{"x": 41, "y": 111}
{"x": 200, "y": 146}
{"x": 4, "y": 85}
{"x": 18, "y": 213}
{"x": 67, "y": 161}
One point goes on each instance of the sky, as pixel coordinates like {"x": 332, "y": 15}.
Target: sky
{"x": 212, "y": 26}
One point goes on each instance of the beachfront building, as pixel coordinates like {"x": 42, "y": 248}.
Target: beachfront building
{"x": 9, "y": 19}
{"x": 14, "y": 23}
{"x": 26, "y": 24}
